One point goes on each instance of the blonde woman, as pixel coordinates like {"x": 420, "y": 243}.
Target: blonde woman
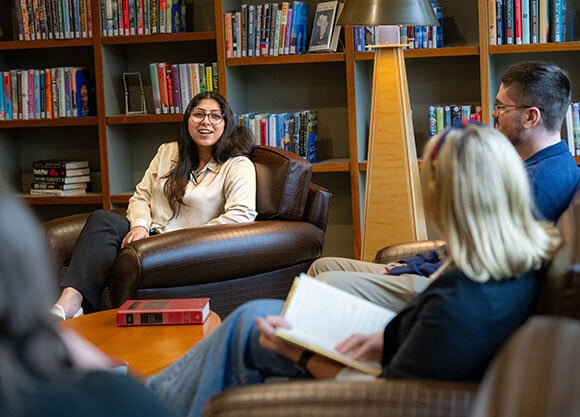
{"x": 477, "y": 197}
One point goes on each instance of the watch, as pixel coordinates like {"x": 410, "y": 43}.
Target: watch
{"x": 303, "y": 361}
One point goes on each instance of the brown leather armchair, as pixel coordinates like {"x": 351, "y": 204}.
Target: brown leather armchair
{"x": 559, "y": 296}
{"x": 232, "y": 263}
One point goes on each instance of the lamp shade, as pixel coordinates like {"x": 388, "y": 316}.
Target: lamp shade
{"x": 387, "y": 12}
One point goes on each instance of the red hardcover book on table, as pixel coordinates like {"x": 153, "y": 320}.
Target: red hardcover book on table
{"x": 165, "y": 311}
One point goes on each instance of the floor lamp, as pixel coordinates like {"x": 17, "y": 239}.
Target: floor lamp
{"x": 393, "y": 208}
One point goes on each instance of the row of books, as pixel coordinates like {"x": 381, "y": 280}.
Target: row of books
{"x": 572, "y": 128}
{"x": 413, "y": 37}
{"x": 268, "y": 29}
{"x": 443, "y": 116}
{"x": 520, "y": 22}
{"x": 142, "y": 17}
{"x": 60, "y": 177}
{"x": 49, "y": 93}
{"x": 295, "y": 132}
{"x": 174, "y": 85}
{"x": 54, "y": 19}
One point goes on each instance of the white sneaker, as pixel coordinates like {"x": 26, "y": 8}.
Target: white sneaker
{"x": 58, "y": 311}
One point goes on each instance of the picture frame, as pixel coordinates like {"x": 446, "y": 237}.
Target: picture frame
{"x": 323, "y": 26}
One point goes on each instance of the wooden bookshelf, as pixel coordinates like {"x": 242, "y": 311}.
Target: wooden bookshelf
{"x": 338, "y": 85}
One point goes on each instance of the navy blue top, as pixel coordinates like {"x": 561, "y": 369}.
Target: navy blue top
{"x": 452, "y": 330}
{"x": 554, "y": 179}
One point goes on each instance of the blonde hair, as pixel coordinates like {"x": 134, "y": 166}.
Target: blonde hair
{"x": 477, "y": 197}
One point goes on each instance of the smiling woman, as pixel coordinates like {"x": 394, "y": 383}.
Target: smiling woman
{"x": 203, "y": 178}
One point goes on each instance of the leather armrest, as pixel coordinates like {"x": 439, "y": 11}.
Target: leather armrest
{"x": 212, "y": 254}
{"x": 61, "y": 235}
{"x": 382, "y": 397}
{"x": 394, "y": 253}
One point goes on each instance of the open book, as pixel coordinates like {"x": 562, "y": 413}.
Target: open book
{"x": 321, "y": 316}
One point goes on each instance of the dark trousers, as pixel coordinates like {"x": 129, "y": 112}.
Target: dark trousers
{"x": 96, "y": 249}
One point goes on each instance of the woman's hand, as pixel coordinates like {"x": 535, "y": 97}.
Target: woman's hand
{"x": 270, "y": 341}
{"x": 363, "y": 346}
{"x": 136, "y": 233}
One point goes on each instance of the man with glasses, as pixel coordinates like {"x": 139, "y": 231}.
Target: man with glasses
{"x": 529, "y": 109}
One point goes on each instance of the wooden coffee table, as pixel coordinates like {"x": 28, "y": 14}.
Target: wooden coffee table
{"x": 147, "y": 349}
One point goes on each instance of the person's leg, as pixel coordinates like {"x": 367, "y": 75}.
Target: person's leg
{"x": 230, "y": 356}
{"x": 327, "y": 264}
{"x": 95, "y": 251}
{"x": 390, "y": 291}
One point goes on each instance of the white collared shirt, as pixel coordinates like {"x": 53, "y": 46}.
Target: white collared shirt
{"x": 219, "y": 194}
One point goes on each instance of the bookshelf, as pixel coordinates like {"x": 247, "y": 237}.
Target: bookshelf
{"x": 119, "y": 147}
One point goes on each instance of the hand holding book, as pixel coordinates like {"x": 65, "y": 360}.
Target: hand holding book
{"x": 332, "y": 322}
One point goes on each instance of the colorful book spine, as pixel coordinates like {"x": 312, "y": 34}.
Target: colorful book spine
{"x": 155, "y": 87}
{"x": 555, "y": 19}
{"x": 499, "y": 22}
{"x": 544, "y": 12}
{"x": 258, "y": 30}
{"x": 509, "y": 21}
{"x": 154, "y": 15}
{"x": 526, "y": 22}
{"x": 518, "y": 22}
{"x": 176, "y": 89}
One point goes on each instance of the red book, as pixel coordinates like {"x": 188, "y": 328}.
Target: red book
{"x": 165, "y": 311}
{"x": 169, "y": 85}
{"x": 163, "y": 87}
{"x": 518, "y": 21}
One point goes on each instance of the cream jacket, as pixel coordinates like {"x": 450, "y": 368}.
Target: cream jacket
{"x": 219, "y": 194}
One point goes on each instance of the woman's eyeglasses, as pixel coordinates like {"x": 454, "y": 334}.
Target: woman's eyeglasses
{"x": 213, "y": 118}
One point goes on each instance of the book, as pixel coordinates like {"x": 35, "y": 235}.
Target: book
{"x": 57, "y": 186}
{"x": 60, "y": 172}
{"x": 336, "y": 31}
{"x": 59, "y": 193}
{"x": 163, "y": 311}
{"x": 321, "y": 316}
{"x": 60, "y": 164}
{"x": 62, "y": 180}
{"x": 323, "y": 26}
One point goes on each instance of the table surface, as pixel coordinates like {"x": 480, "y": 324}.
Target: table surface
{"x": 146, "y": 349}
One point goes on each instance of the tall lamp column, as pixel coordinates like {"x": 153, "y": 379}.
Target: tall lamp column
{"x": 393, "y": 209}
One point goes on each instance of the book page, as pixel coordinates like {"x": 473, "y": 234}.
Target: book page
{"x": 321, "y": 316}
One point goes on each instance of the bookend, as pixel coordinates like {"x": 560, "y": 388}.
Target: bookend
{"x": 134, "y": 93}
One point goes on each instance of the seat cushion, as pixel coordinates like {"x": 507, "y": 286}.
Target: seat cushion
{"x": 282, "y": 183}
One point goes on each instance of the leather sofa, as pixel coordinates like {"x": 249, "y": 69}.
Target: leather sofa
{"x": 232, "y": 263}
{"x": 551, "y": 339}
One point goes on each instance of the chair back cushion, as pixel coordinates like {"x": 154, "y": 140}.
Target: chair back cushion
{"x": 536, "y": 374}
{"x": 560, "y": 293}
{"x": 282, "y": 181}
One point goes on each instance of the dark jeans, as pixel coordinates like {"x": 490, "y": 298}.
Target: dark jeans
{"x": 94, "y": 254}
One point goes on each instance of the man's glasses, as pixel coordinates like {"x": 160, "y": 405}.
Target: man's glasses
{"x": 214, "y": 118}
{"x": 499, "y": 106}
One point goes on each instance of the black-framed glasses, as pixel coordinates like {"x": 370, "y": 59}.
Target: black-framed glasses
{"x": 213, "y": 117}
{"x": 499, "y": 106}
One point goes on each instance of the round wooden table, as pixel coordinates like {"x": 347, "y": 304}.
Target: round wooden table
{"x": 146, "y": 349}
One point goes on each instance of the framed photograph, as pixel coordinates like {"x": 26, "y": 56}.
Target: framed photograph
{"x": 323, "y": 26}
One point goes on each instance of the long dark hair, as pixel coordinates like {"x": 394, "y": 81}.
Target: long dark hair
{"x": 30, "y": 346}
{"x": 228, "y": 146}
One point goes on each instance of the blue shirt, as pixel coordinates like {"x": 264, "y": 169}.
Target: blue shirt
{"x": 554, "y": 178}
{"x": 453, "y": 329}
